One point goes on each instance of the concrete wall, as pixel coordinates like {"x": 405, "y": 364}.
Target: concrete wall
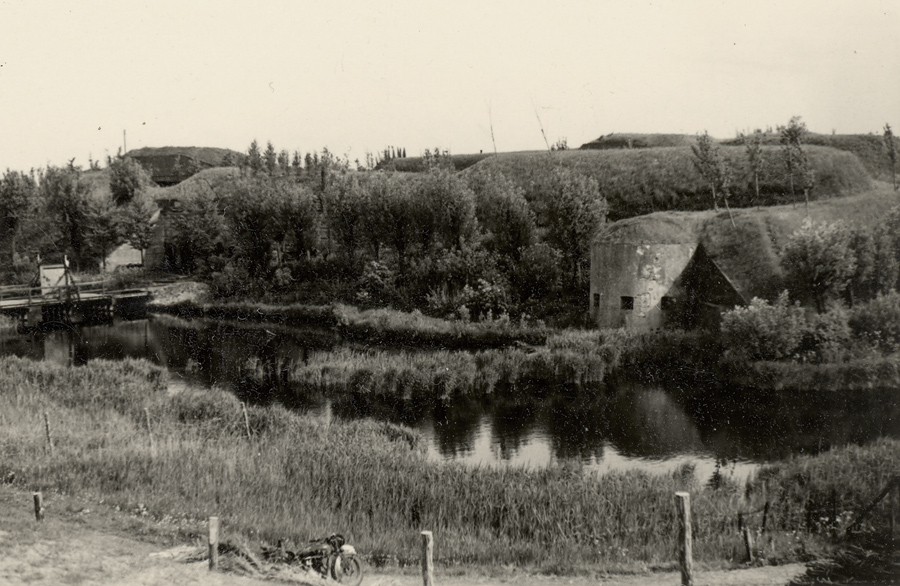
{"x": 645, "y": 273}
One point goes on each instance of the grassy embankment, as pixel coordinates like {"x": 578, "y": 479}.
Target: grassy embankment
{"x": 641, "y": 181}
{"x": 298, "y": 478}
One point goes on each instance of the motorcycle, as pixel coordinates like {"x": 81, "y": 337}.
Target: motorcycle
{"x": 331, "y": 557}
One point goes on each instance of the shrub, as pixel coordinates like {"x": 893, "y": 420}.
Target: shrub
{"x": 485, "y": 299}
{"x": 538, "y": 273}
{"x": 878, "y": 322}
{"x": 377, "y": 284}
{"x": 764, "y": 331}
{"x": 826, "y": 336}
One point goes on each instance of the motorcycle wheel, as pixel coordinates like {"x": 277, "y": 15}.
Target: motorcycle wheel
{"x": 347, "y": 570}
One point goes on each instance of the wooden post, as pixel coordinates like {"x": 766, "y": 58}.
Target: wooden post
{"x": 427, "y": 559}
{"x": 894, "y": 495}
{"x": 748, "y": 543}
{"x": 38, "y": 506}
{"x": 47, "y": 433}
{"x": 246, "y": 419}
{"x": 149, "y": 430}
{"x": 213, "y": 544}
{"x": 685, "y": 554}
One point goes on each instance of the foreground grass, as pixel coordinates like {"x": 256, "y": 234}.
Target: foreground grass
{"x": 299, "y": 478}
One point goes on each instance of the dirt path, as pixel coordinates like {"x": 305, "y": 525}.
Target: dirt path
{"x": 76, "y": 544}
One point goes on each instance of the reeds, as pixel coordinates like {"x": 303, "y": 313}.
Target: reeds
{"x": 298, "y": 478}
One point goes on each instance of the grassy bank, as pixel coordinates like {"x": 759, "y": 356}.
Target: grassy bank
{"x": 298, "y": 478}
{"x": 376, "y": 326}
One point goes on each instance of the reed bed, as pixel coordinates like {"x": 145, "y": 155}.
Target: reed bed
{"x": 296, "y": 478}
{"x": 572, "y": 357}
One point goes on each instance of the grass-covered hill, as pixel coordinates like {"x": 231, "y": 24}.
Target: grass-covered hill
{"x": 869, "y": 148}
{"x": 642, "y": 181}
{"x": 749, "y": 251}
{"x": 631, "y": 140}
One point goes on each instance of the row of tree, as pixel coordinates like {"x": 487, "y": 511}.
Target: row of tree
{"x": 719, "y": 174}
{"x": 264, "y": 229}
{"x": 54, "y": 212}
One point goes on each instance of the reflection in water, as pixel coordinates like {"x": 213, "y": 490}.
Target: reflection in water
{"x": 629, "y": 426}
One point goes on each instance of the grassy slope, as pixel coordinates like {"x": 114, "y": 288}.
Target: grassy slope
{"x": 749, "y": 252}
{"x": 869, "y": 149}
{"x": 641, "y": 181}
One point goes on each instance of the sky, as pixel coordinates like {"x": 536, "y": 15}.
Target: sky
{"x": 85, "y": 79}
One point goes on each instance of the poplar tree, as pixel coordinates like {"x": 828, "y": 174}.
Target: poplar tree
{"x": 753, "y": 146}
{"x": 892, "y": 153}
{"x": 713, "y": 167}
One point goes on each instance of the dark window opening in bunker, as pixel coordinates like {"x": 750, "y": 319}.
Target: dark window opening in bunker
{"x": 627, "y": 303}
{"x": 596, "y": 300}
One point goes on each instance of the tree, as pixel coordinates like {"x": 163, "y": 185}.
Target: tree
{"x": 66, "y": 196}
{"x": 453, "y": 203}
{"x": 345, "y": 211}
{"x": 136, "y": 226}
{"x": 503, "y": 213}
{"x": 270, "y": 158}
{"x": 284, "y": 162}
{"x": 877, "y": 267}
{"x": 127, "y": 178}
{"x": 199, "y": 232}
{"x": 713, "y": 167}
{"x": 254, "y": 158}
{"x": 891, "y": 146}
{"x": 753, "y": 146}
{"x": 818, "y": 262}
{"x": 791, "y": 138}
{"x": 575, "y": 211}
{"x": 392, "y": 215}
{"x": 104, "y": 230}
{"x": 17, "y": 190}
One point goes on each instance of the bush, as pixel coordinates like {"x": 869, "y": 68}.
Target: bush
{"x": 538, "y": 273}
{"x": 377, "y": 284}
{"x": 485, "y": 300}
{"x": 764, "y": 331}
{"x": 878, "y": 322}
{"x": 826, "y": 337}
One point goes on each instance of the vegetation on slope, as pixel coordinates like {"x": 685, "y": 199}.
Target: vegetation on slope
{"x": 868, "y": 148}
{"x": 640, "y": 181}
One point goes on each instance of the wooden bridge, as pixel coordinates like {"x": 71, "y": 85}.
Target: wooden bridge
{"x": 61, "y": 299}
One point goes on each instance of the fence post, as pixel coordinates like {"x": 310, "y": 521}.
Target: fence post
{"x": 685, "y": 555}
{"x": 246, "y": 419}
{"x": 47, "y": 433}
{"x": 748, "y": 543}
{"x": 38, "y": 506}
{"x": 427, "y": 559}
{"x": 149, "y": 430}
{"x": 213, "y": 544}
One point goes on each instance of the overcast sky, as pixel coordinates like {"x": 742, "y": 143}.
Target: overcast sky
{"x": 357, "y": 76}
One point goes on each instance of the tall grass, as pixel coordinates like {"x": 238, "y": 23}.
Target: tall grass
{"x": 571, "y": 357}
{"x": 299, "y": 478}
